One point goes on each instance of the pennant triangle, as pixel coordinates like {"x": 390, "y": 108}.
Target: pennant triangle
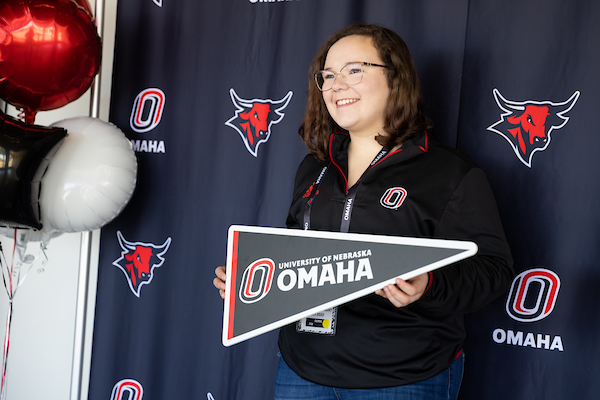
{"x": 278, "y": 276}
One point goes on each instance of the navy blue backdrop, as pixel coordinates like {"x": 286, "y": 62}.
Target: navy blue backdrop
{"x": 514, "y": 84}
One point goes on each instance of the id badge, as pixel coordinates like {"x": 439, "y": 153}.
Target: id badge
{"x": 322, "y": 323}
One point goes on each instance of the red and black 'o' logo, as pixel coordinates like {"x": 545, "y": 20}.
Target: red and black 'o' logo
{"x": 533, "y": 295}
{"x": 147, "y": 110}
{"x": 393, "y": 198}
{"x": 257, "y": 280}
{"x": 127, "y": 389}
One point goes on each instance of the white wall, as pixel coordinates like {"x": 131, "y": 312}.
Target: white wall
{"x": 51, "y": 334}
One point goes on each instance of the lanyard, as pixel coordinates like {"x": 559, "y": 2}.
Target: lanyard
{"x": 306, "y": 225}
{"x": 349, "y": 200}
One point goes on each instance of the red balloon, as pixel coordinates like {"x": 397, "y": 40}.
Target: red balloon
{"x": 49, "y": 53}
{"x": 86, "y": 5}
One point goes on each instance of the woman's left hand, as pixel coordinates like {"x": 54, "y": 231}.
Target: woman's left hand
{"x": 404, "y": 292}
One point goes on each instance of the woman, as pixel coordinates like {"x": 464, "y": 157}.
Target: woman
{"x": 382, "y": 173}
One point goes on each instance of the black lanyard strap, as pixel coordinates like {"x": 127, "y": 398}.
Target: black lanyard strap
{"x": 348, "y": 206}
{"x": 350, "y": 195}
{"x": 315, "y": 190}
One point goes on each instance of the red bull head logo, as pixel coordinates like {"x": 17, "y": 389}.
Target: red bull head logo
{"x": 253, "y": 119}
{"x": 138, "y": 261}
{"x": 527, "y": 125}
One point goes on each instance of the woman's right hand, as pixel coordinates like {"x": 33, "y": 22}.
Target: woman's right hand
{"x": 219, "y": 281}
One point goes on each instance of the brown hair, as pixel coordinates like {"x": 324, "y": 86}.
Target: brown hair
{"x": 405, "y": 115}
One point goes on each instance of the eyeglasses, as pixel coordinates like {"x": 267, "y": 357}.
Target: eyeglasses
{"x": 352, "y": 74}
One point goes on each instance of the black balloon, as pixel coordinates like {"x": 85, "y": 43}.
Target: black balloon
{"x": 25, "y": 151}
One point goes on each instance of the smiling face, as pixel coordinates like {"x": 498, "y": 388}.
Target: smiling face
{"x": 359, "y": 108}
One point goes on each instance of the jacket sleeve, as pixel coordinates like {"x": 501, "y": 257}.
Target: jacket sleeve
{"x": 471, "y": 214}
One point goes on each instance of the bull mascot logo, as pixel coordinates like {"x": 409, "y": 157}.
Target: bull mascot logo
{"x": 527, "y": 125}
{"x": 138, "y": 261}
{"x": 253, "y": 119}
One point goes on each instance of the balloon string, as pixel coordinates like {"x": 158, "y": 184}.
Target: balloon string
{"x": 4, "y": 272}
{"x": 12, "y": 264}
{"x": 11, "y": 289}
{"x": 5, "y": 351}
{"x": 11, "y": 283}
{"x": 20, "y": 278}
{"x": 10, "y": 293}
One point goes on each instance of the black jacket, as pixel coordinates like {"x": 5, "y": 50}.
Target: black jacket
{"x": 444, "y": 196}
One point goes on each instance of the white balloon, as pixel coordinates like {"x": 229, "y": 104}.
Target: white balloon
{"x": 90, "y": 179}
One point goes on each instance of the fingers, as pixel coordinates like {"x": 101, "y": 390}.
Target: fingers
{"x": 409, "y": 287}
{"x": 404, "y": 292}
{"x": 396, "y": 296}
{"x": 219, "y": 281}
{"x": 220, "y": 272}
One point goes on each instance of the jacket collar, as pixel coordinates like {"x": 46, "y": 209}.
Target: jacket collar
{"x": 338, "y": 153}
{"x": 417, "y": 145}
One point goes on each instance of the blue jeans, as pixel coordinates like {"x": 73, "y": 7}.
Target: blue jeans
{"x": 445, "y": 385}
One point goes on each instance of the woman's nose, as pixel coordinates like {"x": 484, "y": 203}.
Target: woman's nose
{"x": 339, "y": 83}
